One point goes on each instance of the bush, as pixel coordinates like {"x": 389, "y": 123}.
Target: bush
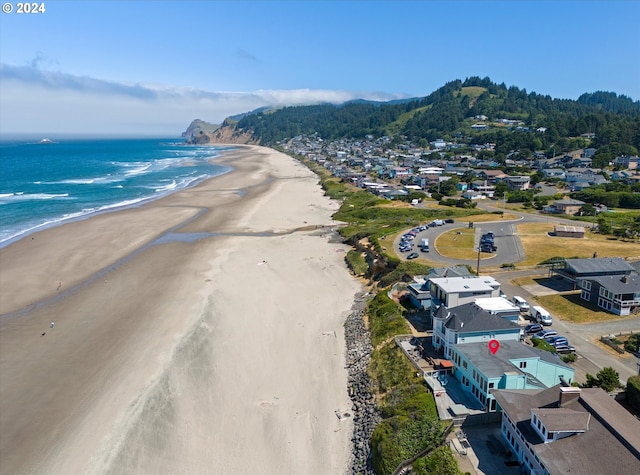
{"x": 385, "y": 318}
{"x": 569, "y": 358}
{"x": 357, "y": 262}
{"x": 543, "y": 345}
{"x": 607, "y": 379}
{"x": 439, "y": 462}
{"x": 399, "y": 438}
{"x": 632, "y": 345}
{"x": 633, "y": 391}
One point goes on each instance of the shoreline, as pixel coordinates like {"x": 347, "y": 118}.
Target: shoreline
{"x": 116, "y": 207}
{"x": 201, "y": 350}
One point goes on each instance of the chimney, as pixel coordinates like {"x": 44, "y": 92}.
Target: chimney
{"x": 568, "y": 394}
{"x": 624, "y": 279}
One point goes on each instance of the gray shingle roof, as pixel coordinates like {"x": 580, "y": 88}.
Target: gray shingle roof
{"x": 470, "y": 318}
{"x": 495, "y": 365}
{"x": 611, "y": 443}
{"x": 597, "y": 265}
{"x": 614, "y": 283}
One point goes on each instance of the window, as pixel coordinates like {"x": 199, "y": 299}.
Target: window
{"x": 586, "y": 285}
{"x": 523, "y": 364}
{"x": 464, "y": 364}
{"x": 585, "y": 295}
{"x": 492, "y": 385}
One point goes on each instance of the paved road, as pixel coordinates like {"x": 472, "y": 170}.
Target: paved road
{"x": 592, "y": 356}
{"x": 584, "y": 337}
{"x": 510, "y": 249}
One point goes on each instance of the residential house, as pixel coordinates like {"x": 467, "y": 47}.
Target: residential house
{"x": 514, "y": 366}
{"x": 627, "y": 161}
{"x": 454, "y": 291}
{"x": 420, "y": 288}
{"x": 563, "y": 430}
{"x": 492, "y": 176}
{"x": 576, "y": 269}
{"x": 469, "y": 323}
{"x": 615, "y": 294}
{"x": 518, "y": 183}
{"x": 554, "y": 173}
{"x": 564, "y": 206}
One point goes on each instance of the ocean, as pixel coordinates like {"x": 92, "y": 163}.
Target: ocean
{"x": 47, "y": 184}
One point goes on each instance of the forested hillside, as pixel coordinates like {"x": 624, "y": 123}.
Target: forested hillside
{"x": 451, "y": 111}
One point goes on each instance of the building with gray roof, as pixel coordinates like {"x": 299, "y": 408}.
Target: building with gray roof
{"x": 469, "y": 323}
{"x": 569, "y": 430}
{"x": 616, "y": 294}
{"x": 594, "y": 267}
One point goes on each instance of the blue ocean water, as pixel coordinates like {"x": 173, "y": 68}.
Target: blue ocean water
{"x": 45, "y": 184}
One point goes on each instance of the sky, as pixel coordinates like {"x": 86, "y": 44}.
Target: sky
{"x": 148, "y": 68}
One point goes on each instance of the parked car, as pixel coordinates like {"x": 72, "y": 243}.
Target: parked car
{"x": 564, "y": 349}
{"x": 488, "y": 247}
{"x": 545, "y": 333}
{"x": 533, "y": 328}
{"x": 540, "y": 315}
{"x": 449, "y": 220}
{"x": 557, "y": 340}
{"x": 413, "y": 255}
{"x": 521, "y": 304}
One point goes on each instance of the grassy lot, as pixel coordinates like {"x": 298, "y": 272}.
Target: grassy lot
{"x": 572, "y": 308}
{"x": 459, "y": 246}
{"x": 539, "y": 246}
{"x": 527, "y": 280}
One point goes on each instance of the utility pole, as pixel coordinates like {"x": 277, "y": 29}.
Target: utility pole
{"x": 478, "y": 265}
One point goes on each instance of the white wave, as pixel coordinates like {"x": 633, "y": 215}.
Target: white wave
{"x": 12, "y": 197}
{"x": 169, "y": 187}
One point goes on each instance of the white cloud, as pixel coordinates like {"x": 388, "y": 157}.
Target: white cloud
{"x": 46, "y": 102}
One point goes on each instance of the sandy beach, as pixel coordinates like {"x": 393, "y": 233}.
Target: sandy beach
{"x": 197, "y": 334}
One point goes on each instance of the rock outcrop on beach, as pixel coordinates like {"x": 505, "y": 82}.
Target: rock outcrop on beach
{"x": 199, "y": 131}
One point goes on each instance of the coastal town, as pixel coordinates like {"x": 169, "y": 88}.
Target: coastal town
{"x": 511, "y": 380}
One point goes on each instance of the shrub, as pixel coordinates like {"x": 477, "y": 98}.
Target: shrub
{"x": 607, "y": 379}
{"x": 633, "y": 343}
{"x": 357, "y": 262}
{"x": 439, "y": 462}
{"x": 385, "y": 318}
{"x": 569, "y": 358}
{"x": 543, "y": 345}
{"x": 633, "y": 391}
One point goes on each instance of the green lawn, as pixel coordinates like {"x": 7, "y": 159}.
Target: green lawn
{"x": 572, "y": 308}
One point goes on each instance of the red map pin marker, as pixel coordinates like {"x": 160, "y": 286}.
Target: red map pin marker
{"x": 493, "y": 346}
